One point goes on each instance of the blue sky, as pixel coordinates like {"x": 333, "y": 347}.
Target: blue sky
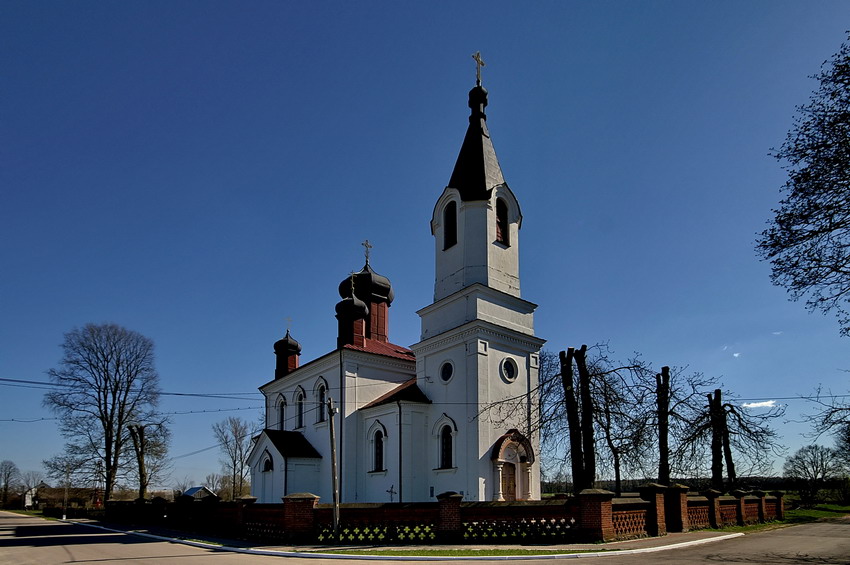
{"x": 201, "y": 171}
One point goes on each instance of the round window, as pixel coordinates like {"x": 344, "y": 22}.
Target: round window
{"x": 446, "y": 372}
{"x": 509, "y": 370}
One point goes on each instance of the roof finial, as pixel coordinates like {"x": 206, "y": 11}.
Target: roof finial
{"x": 367, "y": 246}
{"x": 288, "y": 321}
{"x": 479, "y": 62}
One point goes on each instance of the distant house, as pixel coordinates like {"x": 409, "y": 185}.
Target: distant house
{"x": 200, "y": 493}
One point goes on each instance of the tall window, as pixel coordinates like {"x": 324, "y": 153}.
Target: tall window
{"x": 299, "y": 410}
{"x": 503, "y": 230}
{"x": 322, "y": 398}
{"x": 450, "y": 225}
{"x": 281, "y": 414}
{"x": 446, "y": 447}
{"x": 378, "y": 451}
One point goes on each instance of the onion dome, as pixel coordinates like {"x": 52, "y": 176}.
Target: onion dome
{"x": 369, "y": 286}
{"x": 287, "y": 346}
{"x": 351, "y": 308}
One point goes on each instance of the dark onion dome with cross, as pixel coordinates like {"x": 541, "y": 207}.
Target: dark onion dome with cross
{"x": 477, "y": 169}
{"x": 287, "y": 345}
{"x": 369, "y": 286}
{"x": 351, "y": 308}
{"x": 286, "y": 353}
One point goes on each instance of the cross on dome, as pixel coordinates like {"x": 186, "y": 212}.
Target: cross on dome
{"x": 368, "y": 247}
{"x": 479, "y": 62}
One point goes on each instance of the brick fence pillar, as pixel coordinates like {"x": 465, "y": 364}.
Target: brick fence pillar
{"x": 449, "y": 525}
{"x": 676, "y": 508}
{"x": 762, "y": 505}
{"x": 596, "y": 514}
{"x": 714, "y": 518}
{"x": 740, "y": 506}
{"x": 780, "y": 504}
{"x": 299, "y": 518}
{"x": 656, "y": 522}
{"x": 242, "y": 504}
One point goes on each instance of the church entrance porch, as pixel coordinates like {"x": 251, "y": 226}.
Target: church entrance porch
{"x": 512, "y": 457}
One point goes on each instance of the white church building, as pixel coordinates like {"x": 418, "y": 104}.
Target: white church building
{"x": 453, "y": 412}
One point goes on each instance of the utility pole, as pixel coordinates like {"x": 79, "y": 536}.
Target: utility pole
{"x": 334, "y": 479}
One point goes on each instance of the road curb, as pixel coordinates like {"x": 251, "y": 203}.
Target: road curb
{"x": 314, "y": 555}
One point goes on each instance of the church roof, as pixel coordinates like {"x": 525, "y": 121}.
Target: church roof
{"x": 477, "y": 169}
{"x": 408, "y": 391}
{"x": 384, "y": 348}
{"x": 292, "y": 444}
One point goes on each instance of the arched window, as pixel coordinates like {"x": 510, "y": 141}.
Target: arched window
{"x": 378, "y": 451}
{"x": 299, "y": 410}
{"x": 503, "y": 229}
{"x": 321, "y": 397}
{"x": 446, "y": 447}
{"x": 268, "y": 465}
{"x": 281, "y": 414}
{"x": 450, "y": 225}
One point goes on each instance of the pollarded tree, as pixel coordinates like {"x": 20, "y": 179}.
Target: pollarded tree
{"x": 105, "y": 381}
{"x": 808, "y": 240}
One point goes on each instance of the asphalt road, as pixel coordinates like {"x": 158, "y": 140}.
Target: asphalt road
{"x": 26, "y": 540}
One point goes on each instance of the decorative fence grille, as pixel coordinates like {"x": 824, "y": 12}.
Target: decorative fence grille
{"x": 698, "y": 515}
{"x": 729, "y": 514}
{"x": 630, "y": 523}
{"x": 378, "y": 533}
{"x": 546, "y": 530}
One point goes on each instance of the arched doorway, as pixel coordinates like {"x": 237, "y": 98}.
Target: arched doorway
{"x": 512, "y": 458}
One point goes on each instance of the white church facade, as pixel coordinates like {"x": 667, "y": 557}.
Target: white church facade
{"x": 453, "y": 412}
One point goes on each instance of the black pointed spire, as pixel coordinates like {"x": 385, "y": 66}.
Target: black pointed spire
{"x": 477, "y": 169}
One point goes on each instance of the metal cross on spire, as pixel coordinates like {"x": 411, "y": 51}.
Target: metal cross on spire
{"x": 288, "y": 321}
{"x": 367, "y": 246}
{"x": 479, "y": 62}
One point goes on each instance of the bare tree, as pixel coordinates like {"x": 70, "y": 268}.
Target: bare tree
{"x": 29, "y": 481}
{"x": 9, "y": 475}
{"x": 184, "y": 484}
{"x": 808, "y": 240}
{"x": 213, "y": 481}
{"x": 677, "y": 403}
{"x": 730, "y": 427}
{"x": 605, "y": 423}
{"x": 832, "y": 412}
{"x": 150, "y": 447}
{"x": 842, "y": 444}
{"x": 105, "y": 381}
{"x": 234, "y": 439}
{"x": 812, "y": 465}
{"x": 622, "y": 416}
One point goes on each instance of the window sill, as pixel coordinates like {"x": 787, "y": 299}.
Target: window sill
{"x": 445, "y": 470}
{"x": 377, "y": 473}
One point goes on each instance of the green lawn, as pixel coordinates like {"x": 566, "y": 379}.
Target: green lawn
{"x": 457, "y": 552}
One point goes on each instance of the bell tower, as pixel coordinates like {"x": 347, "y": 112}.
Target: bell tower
{"x": 477, "y": 219}
{"x": 478, "y": 346}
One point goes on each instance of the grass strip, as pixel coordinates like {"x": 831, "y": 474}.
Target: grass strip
{"x": 471, "y": 552}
